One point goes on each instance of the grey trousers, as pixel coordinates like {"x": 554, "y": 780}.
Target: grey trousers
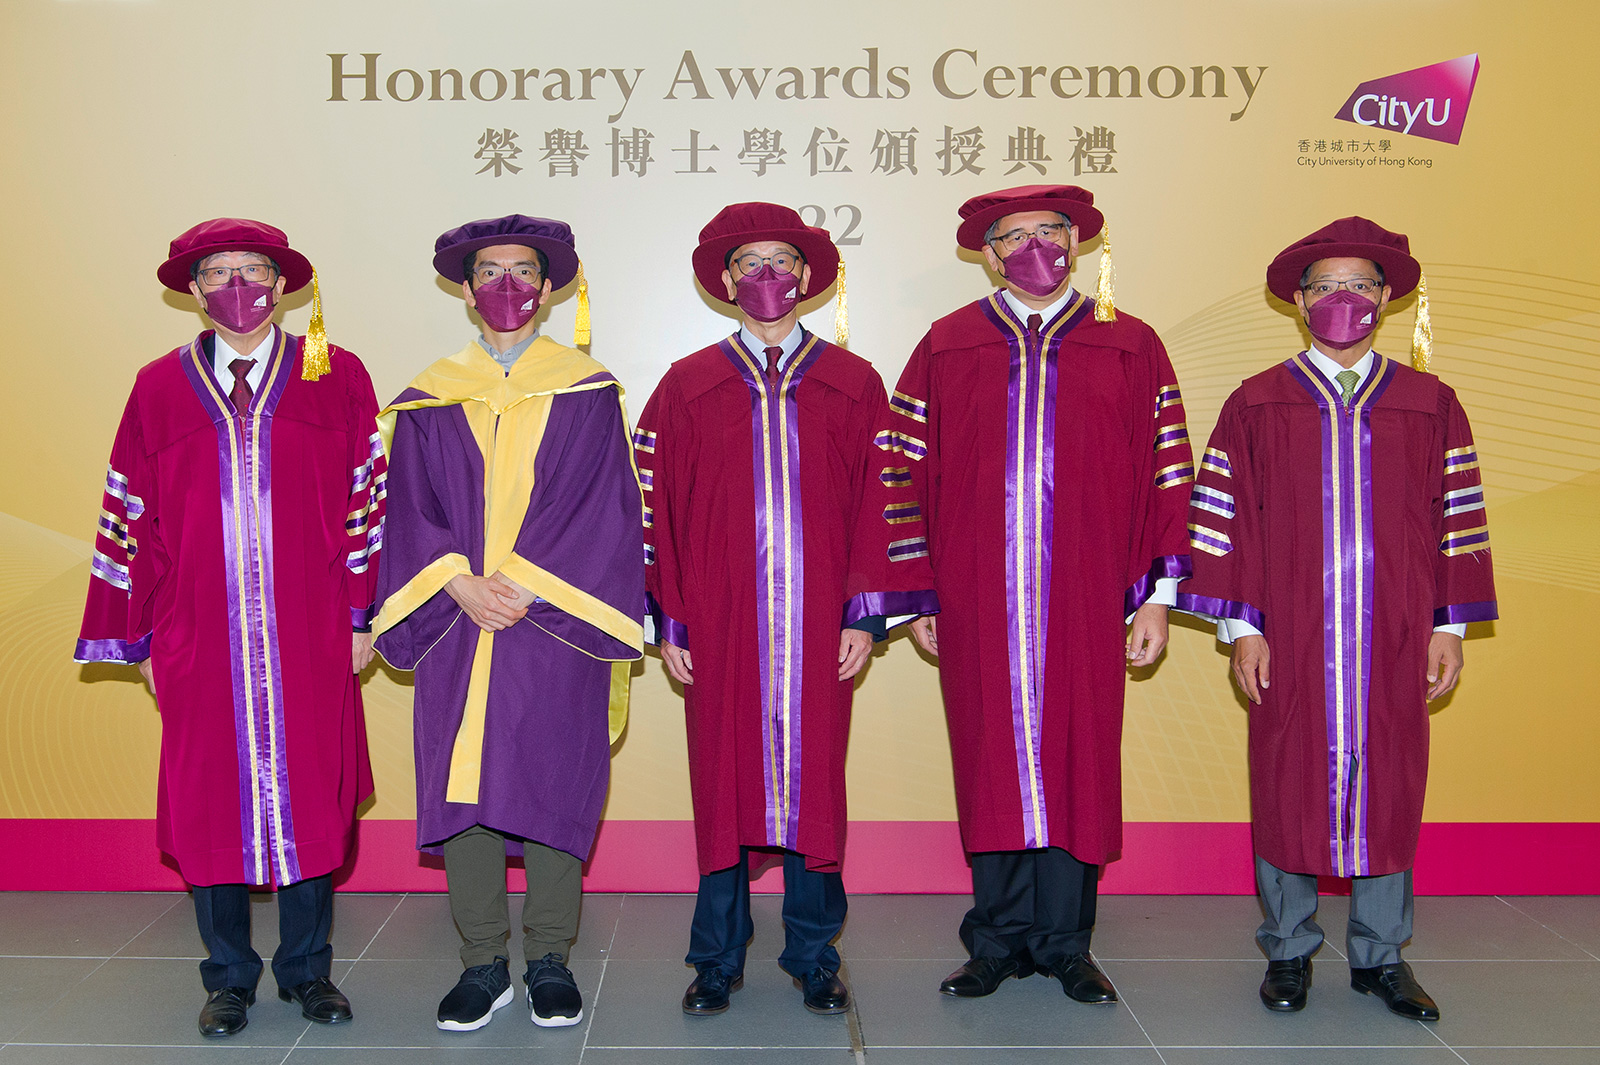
{"x": 475, "y": 865}
{"x": 1380, "y": 916}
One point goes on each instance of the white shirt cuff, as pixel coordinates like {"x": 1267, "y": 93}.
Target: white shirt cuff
{"x": 1454, "y": 630}
{"x": 1166, "y": 593}
{"x": 1230, "y": 629}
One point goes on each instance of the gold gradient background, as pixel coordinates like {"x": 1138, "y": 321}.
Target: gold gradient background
{"x": 129, "y": 120}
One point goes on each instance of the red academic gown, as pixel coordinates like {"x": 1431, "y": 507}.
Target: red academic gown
{"x": 1053, "y": 470}
{"x": 1344, "y": 535}
{"x": 773, "y": 520}
{"x": 235, "y": 553}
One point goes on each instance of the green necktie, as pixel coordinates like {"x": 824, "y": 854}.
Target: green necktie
{"x": 1347, "y": 384}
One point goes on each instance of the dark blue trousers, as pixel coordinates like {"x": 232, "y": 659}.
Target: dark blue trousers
{"x": 1036, "y": 904}
{"x": 305, "y": 917}
{"x": 813, "y": 912}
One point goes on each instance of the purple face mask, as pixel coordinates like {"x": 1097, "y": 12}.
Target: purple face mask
{"x": 1343, "y": 319}
{"x": 239, "y": 307}
{"x": 1038, "y": 267}
{"x": 506, "y": 304}
{"x": 767, "y": 295}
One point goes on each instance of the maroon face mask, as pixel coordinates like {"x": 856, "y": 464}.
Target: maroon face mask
{"x": 1038, "y": 267}
{"x": 506, "y": 304}
{"x": 1343, "y": 319}
{"x": 239, "y": 307}
{"x": 767, "y": 295}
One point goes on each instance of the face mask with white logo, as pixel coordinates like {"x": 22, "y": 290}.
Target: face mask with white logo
{"x": 1038, "y": 267}
{"x": 1343, "y": 319}
{"x": 767, "y": 295}
{"x": 239, "y": 307}
{"x": 506, "y": 304}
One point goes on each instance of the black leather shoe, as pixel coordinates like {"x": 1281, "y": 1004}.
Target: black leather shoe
{"x": 982, "y": 976}
{"x": 1083, "y": 981}
{"x": 824, "y": 992}
{"x": 224, "y": 1011}
{"x": 1286, "y": 984}
{"x": 1398, "y": 988}
{"x": 709, "y": 993}
{"x": 319, "y": 1001}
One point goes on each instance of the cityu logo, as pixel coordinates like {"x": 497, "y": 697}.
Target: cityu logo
{"x": 1427, "y": 102}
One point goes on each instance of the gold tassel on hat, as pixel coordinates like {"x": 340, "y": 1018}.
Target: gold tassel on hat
{"x": 841, "y": 312}
{"x": 580, "y": 324}
{"x": 314, "y": 352}
{"x": 1422, "y": 335}
{"x": 1105, "y": 304}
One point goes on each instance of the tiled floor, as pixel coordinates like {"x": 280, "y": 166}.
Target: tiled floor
{"x": 88, "y": 979}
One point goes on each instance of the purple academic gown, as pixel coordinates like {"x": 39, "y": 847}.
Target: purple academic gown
{"x": 546, "y": 752}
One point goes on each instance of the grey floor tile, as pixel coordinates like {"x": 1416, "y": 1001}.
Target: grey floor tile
{"x": 514, "y": 1055}
{"x": 1573, "y": 917}
{"x": 211, "y": 1054}
{"x": 1216, "y": 1004}
{"x": 395, "y": 1004}
{"x": 1013, "y": 1056}
{"x": 639, "y": 1007}
{"x": 77, "y": 924}
{"x": 1480, "y": 927}
{"x": 1530, "y": 1055}
{"x": 154, "y": 1002}
{"x": 904, "y": 926}
{"x": 420, "y": 928}
{"x": 1372, "y": 1055}
{"x": 720, "y": 1056}
{"x": 656, "y": 927}
{"x": 900, "y": 1006}
{"x": 1210, "y": 927}
{"x": 1515, "y": 1004}
{"x": 30, "y": 986}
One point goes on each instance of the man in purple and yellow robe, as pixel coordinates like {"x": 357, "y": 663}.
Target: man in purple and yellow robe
{"x": 235, "y": 564}
{"x": 511, "y": 467}
{"x": 1339, "y": 537}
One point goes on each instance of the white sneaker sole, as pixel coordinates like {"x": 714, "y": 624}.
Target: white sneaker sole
{"x": 554, "y": 1022}
{"x": 472, "y": 1026}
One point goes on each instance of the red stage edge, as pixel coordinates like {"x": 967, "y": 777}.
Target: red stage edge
{"x": 885, "y": 857}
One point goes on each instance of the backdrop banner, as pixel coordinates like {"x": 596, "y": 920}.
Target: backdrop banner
{"x": 1211, "y": 135}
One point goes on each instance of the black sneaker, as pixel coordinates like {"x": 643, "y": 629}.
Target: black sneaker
{"x": 481, "y": 990}
{"x": 553, "y": 998}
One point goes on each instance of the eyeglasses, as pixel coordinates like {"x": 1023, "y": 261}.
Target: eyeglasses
{"x": 1054, "y": 232}
{"x": 255, "y": 273}
{"x": 783, "y": 262}
{"x": 489, "y": 274}
{"x": 1361, "y": 286}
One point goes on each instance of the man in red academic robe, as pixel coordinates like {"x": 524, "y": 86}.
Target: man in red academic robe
{"x": 781, "y": 537}
{"x": 1339, "y": 537}
{"x": 234, "y": 564}
{"x": 1045, "y": 433}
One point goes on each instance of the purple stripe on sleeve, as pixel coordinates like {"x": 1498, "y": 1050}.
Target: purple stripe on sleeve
{"x": 668, "y": 628}
{"x": 1176, "y": 566}
{"x": 1463, "y": 613}
{"x": 1212, "y": 607}
{"x": 889, "y": 604}
{"x": 113, "y": 650}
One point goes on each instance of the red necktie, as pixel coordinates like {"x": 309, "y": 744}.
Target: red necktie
{"x": 1034, "y": 322}
{"x": 773, "y": 355}
{"x": 240, "y": 395}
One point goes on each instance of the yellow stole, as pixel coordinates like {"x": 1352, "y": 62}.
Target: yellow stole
{"x": 507, "y": 414}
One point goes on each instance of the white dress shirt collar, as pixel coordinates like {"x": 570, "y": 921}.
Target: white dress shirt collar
{"x": 1023, "y": 310}
{"x": 790, "y": 344}
{"x": 222, "y": 354}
